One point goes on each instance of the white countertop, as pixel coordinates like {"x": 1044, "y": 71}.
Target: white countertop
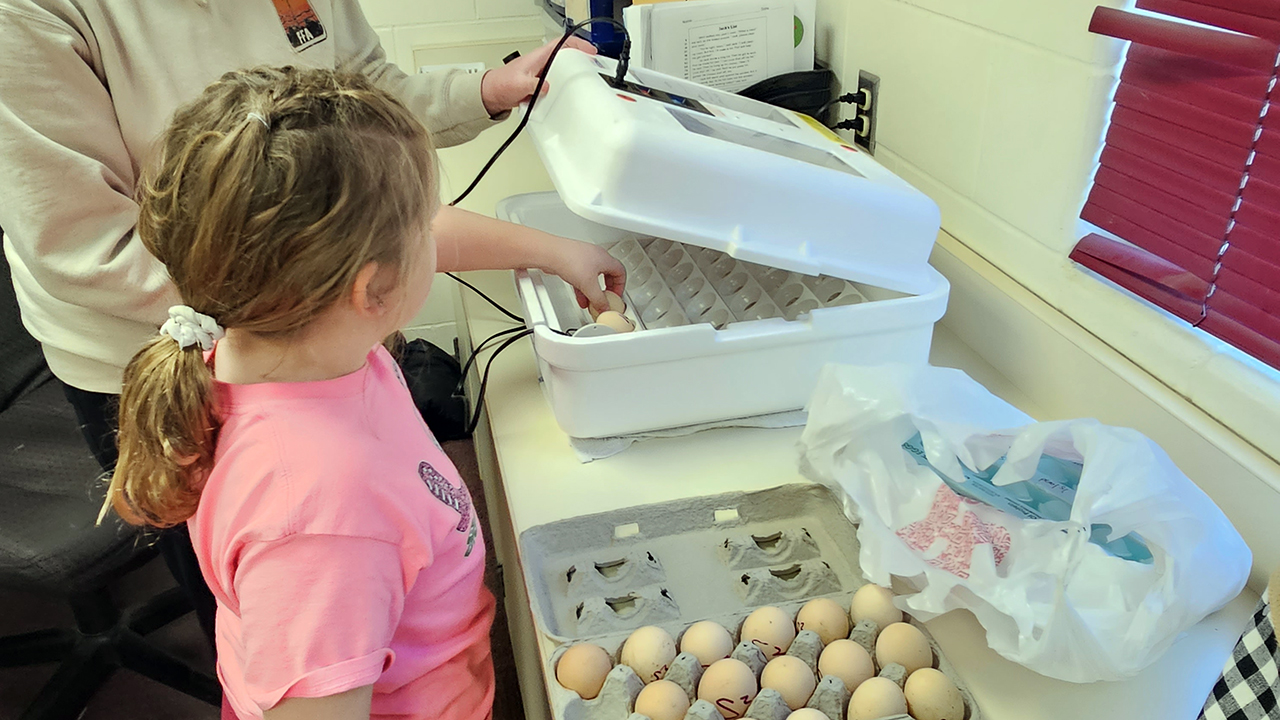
{"x": 542, "y": 481}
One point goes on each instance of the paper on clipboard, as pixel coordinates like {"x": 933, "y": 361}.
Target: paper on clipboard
{"x": 726, "y": 44}
{"x": 806, "y": 16}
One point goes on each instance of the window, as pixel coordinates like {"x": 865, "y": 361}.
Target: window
{"x": 1189, "y": 177}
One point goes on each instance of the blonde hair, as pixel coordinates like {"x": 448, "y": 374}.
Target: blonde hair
{"x": 268, "y": 195}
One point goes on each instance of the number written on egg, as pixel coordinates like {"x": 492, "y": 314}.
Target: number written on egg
{"x": 770, "y": 651}
{"x": 660, "y": 672}
{"x": 730, "y": 706}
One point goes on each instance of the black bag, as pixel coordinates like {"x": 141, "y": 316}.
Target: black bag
{"x": 22, "y": 366}
{"x": 433, "y": 377}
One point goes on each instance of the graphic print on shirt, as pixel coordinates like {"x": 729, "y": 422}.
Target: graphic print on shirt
{"x": 456, "y": 498}
{"x": 301, "y": 24}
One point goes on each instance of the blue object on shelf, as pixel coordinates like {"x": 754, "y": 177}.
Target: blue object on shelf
{"x": 606, "y": 38}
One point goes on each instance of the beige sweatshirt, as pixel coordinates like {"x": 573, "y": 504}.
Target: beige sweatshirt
{"x": 85, "y": 88}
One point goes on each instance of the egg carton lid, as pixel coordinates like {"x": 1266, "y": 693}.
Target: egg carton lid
{"x": 686, "y": 538}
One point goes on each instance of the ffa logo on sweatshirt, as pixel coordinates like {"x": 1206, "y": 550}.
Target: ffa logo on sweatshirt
{"x": 454, "y": 497}
{"x": 301, "y": 24}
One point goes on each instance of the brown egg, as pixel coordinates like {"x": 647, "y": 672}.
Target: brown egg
{"x": 848, "y": 661}
{"x": 932, "y": 696}
{"x": 769, "y": 629}
{"x": 582, "y": 668}
{"x": 615, "y": 304}
{"x": 730, "y": 686}
{"x": 808, "y": 714}
{"x": 825, "y": 617}
{"x": 904, "y": 644}
{"x": 663, "y": 700}
{"x": 649, "y": 651}
{"x": 616, "y": 321}
{"x": 873, "y": 602}
{"x": 792, "y": 678}
{"x": 875, "y": 699}
{"x": 708, "y": 641}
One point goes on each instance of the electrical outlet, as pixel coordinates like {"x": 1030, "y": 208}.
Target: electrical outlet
{"x": 870, "y": 84}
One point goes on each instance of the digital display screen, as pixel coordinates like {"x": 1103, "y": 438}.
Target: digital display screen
{"x": 654, "y": 94}
{"x": 728, "y": 132}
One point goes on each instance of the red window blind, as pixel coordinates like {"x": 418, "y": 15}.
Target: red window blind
{"x": 1189, "y": 177}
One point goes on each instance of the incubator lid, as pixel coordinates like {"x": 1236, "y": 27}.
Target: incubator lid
{"x": 666, "y": 157}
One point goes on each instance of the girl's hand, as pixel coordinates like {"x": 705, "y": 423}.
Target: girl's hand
{"x": 506, "y": 87}
{"x": 581, "y": 265}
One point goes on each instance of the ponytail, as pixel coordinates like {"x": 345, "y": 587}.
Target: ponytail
{"x": 168, "y": 431}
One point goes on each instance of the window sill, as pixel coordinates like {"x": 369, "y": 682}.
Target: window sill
{"x": 1075, "y": 347}
{"x": 1234, "y": 390}
{"x": 1061, "y": 370}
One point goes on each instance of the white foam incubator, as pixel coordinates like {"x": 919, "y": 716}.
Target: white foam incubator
{"x": 758, "y": 247}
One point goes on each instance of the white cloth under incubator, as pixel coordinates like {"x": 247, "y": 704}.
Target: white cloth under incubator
{"x": 588, "y": 449}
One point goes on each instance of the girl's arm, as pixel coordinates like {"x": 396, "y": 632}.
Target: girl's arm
{"x": 350, "y": 705}
{"x": 467, "y": 241}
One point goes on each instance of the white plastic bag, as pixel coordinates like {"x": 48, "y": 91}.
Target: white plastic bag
{"x": 1050, "y": 596}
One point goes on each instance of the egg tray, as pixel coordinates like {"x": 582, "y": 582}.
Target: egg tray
{"x": 670, "y": 284}
{"x": 598, "y": 577}
{"x": 617, "y": 697}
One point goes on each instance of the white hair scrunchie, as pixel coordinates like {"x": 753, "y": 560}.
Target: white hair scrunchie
{"x": 189, "y": 327}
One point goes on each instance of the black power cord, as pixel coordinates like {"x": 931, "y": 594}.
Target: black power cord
{"x": 487, "y": 299}
{"x": 859, "y": 125}
{"x": 475, "y": 354}
{"x": 808, "y": 92}
{"x": 861, "y": 98}
{"x": 484, "y": 377}
{"x": 624, "y": 62}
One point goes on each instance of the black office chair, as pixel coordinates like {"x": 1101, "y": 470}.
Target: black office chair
{"x": 50, "y": 543}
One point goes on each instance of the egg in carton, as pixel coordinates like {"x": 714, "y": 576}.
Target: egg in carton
{"x": 934, "y": 699}
{"x": 657, "y": 656}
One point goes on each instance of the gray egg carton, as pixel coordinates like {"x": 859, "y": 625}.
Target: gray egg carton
{"x": 597, "y": 578}
{"x": 696, "y": 558}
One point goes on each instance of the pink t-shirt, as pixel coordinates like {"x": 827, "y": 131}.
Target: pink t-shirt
{"x": 344, "y": 551}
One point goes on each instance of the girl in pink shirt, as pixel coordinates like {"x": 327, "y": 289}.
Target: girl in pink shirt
{"x": 296, "y": 212}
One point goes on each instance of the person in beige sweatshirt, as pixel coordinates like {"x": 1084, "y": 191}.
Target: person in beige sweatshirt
{"x": 85, "y": 88}
{"x": 86, "y": 85}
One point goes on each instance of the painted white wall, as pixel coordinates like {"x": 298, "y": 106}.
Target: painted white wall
{"x": 406, "y": 25}
{"x": 1001, "y": 101}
